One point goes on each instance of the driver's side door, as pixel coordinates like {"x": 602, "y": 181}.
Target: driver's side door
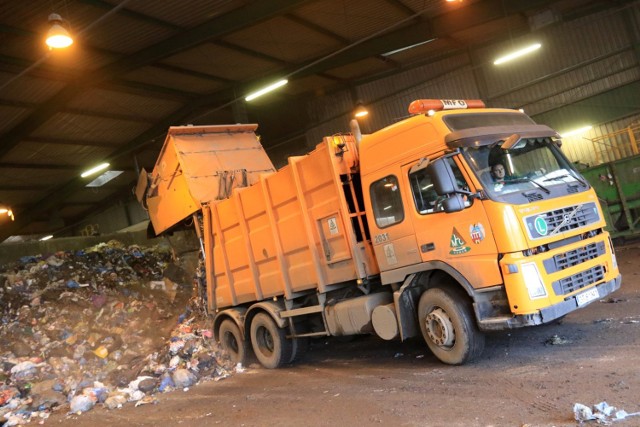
{"x": 461, "y": 239}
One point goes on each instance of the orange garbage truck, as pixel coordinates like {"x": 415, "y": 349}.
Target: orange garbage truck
{"x": 411, "y": 230}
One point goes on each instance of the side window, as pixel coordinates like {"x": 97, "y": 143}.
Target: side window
{"x": 424, "y": 195}
{"x": 386, "y": 201}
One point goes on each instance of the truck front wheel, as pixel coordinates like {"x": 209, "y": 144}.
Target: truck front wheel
{"x": 270, "y": 344}
{"x": 448, "y": 326}
{"x": 232, "y": 341}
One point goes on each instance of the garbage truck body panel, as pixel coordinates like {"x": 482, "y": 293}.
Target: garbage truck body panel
{"x": 401, "y": 232}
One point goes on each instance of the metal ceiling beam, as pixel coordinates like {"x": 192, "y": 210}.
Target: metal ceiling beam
{"x": 252, "y": 53}
{"x": 321, "y": 30}
{"x": 317, "y": 28}
{"x": 192, "y": 73}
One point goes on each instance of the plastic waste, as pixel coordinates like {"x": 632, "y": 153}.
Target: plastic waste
{"x": 184, "y": 378}
{"x": 82, "y": 403}
{"x": 602, "y": 412}
{"x": 166, "y": 384}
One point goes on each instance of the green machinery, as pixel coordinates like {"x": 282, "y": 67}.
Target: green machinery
{"x": 617, "y": 185}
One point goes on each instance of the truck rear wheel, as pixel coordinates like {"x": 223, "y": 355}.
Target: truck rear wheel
{"x": 448, "y": 327}
{"x": 269, "y": 342}
{"x": 232, "y": 341}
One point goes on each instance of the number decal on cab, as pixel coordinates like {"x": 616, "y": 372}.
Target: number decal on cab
{"x": 380, "y": 238}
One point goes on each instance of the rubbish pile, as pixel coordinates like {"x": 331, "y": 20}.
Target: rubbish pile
{"x": 106, "y": 325}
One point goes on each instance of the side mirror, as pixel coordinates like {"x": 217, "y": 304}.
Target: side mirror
{"x": 441, "y": 174}
{"x": 453, "y": 203}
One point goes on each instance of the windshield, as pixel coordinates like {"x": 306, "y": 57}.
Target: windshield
{"x": 533, "y": 169}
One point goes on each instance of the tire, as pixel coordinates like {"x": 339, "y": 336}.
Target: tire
{"x": 448, "y": 327}
{"x": 269, "y": 342}
{"x": 300, "y": 348}
{"x": 232, "y": 341}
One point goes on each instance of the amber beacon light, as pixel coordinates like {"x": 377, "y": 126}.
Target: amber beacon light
{"x": 428, "y": 106}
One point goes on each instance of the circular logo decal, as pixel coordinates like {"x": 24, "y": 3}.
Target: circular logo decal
{"x": 541, "y": 226}
{"x": 477, "y": 233}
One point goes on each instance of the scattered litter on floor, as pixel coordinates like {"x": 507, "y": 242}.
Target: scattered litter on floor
{"x": 630, "y": 320}
{"x": 100, "y": 327}
{"x": 602, "y": 413}
{"x": 613, "y": 300}
{"x": 557, "y": 340}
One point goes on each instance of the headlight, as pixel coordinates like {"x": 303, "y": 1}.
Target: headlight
{"x": 533, "y": 281}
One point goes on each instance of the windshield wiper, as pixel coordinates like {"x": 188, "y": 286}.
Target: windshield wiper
{"x": 570, "y": 175}
{"x": 542, "y": 187}
{"x": 558, "y": 178}
{"x": 577, "y": 177}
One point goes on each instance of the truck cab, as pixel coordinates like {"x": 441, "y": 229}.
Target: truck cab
{"x": 483, "y": 252}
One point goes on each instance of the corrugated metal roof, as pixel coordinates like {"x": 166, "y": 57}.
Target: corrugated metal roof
{"x": 219, "y": 61}
{"x": 81, "y": 127}
{"x": 138, "y": 107}
{"x": 360, "y": 68}
{"x": 185, "y": 13}
{"x": 42, "y": 153}
{"x": 352, "y": 19}
{"x": 174, "y": 80}
{"x": 45, "y": 178}
{"x": 284, "y": 39}
{"x": 29, "y": 89}
{"x": 11, "y": 116}
{"x": 127, "y": 35}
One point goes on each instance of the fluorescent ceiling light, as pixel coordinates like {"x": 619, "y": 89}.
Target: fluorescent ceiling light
{"x": 267, "y": 89}
{"x": 104, "y": 178}
{"x": 576, "y": 131}
{"x": 94, "y": 170}
{"x": 50, "y": 236}
{"x": 402, "y": 49}
{"x": 517, "y": 54}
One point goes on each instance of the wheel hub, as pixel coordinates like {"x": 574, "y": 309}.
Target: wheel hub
{"x": 439, "y": 328}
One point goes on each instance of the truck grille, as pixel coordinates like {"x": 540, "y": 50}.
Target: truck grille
{"x": 578, "y": 281}
{"x": 573, "y": 257}
{"x": 582, "y": 216}
{"x": 561, "y": 220}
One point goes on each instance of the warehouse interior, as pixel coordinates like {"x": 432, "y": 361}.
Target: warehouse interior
{"x": 137, "y": 67}
{"x": 224, "y": 212}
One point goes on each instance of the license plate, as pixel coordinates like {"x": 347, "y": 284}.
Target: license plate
{"x": 587, "y": 296}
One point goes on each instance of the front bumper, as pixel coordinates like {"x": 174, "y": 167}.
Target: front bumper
{"x": 547, "y": 314}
